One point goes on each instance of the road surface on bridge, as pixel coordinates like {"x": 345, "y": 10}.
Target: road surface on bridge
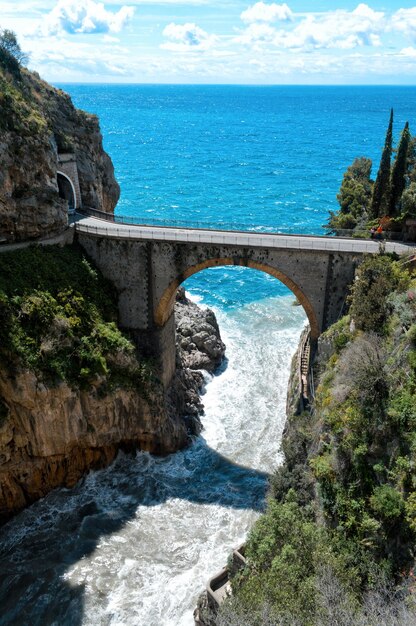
{"x": 103, "y": 228}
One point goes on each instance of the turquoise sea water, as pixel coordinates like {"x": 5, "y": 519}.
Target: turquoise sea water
{"x": 134, "y": 544}
{"x": 265, "y": 157}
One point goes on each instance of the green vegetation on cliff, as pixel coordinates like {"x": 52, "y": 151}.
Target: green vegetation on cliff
{"x": 58, "y": 318}
{"x": 336, "y": 544}
{"x": 388, "y": 201}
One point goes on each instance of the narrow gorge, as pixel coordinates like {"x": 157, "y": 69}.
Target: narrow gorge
{"x": 56, "y": 422}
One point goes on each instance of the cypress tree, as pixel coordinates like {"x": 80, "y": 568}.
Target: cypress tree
{"x": 381, "y": 190}
{"x": 399, "y": 170}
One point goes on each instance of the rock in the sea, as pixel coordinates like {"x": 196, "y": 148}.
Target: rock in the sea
{"x": 198, "y": 347}
{"x": 198, "y": 338}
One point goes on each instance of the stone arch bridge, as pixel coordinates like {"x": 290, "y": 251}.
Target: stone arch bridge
{"x": 146, "y": 264}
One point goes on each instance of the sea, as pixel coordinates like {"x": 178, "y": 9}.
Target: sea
{"x": 134, "y": 544}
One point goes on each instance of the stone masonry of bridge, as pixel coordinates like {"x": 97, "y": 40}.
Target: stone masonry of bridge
{"x": 147, "y": 273}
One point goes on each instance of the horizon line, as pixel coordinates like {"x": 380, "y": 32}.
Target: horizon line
{"x": 167, "y": 84}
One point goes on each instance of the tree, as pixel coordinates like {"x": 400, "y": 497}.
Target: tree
{"x": 354, "y": 196}
{"x": 11, "y": 55}
{"x": 399, "y": 171}
{"x": 408, "y": 201}
{"x": 381, "y": 190}
{"x": 411, "y": 159}
{"x": 377, "y": 277}
{"x": 355, "y": 192}
{"x": 9, "y": 43}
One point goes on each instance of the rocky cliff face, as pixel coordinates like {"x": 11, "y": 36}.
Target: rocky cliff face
{"x": 37, "y": 123}
{"x": 51, "y": 435}
{"x": 198, "y": 338}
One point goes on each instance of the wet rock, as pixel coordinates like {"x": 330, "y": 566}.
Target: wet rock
{"x": 198, "y": 337}
{"x": 198, "y": 347}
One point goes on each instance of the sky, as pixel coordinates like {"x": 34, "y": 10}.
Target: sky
{"x": 217, "y": 41}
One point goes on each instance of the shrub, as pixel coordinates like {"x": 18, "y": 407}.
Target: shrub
{"x": 376, "y": 278}
{"x": 354, "y": 196}
{"x": 362, "y": 370}
{"x": 387, "y": 502}
{"x": 408, "y": 201}
{"x": 57, "y": 319}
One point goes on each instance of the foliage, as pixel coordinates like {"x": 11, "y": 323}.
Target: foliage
{"x": 19, "y": 110}
{"x": 389, "y": 201}
{"x": 10, "y": 45}
{"x": 285, "y": 547}
{"x": 387, "y": 502}
{"x": 384, "y": 605}
{"x": 354, "y": 196}
{"x": 376, "y": 278}
{"x": 408, "y": 201}
{"x": 11, "y": 54}
{"x": 381, "y": 190}
{"x": 399, "y": 171}
{"x": 59, "y": 320}
{"x": 411, "y": 159}
{"x": 337, "y": 539}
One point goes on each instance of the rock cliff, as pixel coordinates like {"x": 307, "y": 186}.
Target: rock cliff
{"x": 198, "y": 337}
{"x": 73, "y": 390}
{"x": 37, "y": 124}
{"x": 69, "y": 400}
{"x": 51, "y": 435}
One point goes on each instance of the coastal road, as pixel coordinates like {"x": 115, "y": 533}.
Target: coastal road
{"x": 114, "y": 230}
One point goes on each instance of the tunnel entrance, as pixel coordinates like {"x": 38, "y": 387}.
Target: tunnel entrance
{"x": 66, "y": 191}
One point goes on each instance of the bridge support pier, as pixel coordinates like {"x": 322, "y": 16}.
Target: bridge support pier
{"x": 159, "y": 345}
{"x": 129, "y": 267}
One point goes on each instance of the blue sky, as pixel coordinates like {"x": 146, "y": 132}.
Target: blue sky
{"x": 208, "y": 41}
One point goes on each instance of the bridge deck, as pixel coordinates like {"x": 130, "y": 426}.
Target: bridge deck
{"x": 114, "y": 230}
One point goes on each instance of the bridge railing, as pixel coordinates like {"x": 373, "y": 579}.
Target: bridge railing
{"x": 222, "y": 225}
{"x": 238, "y": 238}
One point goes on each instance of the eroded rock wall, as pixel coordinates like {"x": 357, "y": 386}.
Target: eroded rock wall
{"x": 37, "y": 123}
{"x": 51, "y": 435}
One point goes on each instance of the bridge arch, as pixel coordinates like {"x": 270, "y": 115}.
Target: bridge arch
{"x": 164, "y": 307}
{"x": 67, "y": 190}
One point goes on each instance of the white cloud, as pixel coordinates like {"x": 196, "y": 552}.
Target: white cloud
{"x": 409, "y": 52}
{"x": 404, "y": 21}
{"x": 256, "y": 33}
{"x": 186, "y": 37}
{"x": 51, "y": 55}
{"x": 262, "y": 12}
{"x": 85, "y": 16}
{"x": 21, "y": 7}
{"x": 338, "y": 29}
{"x": 334, "y": 29}
{"x": 165, "y": 2}
{"x": 110, "y": 39}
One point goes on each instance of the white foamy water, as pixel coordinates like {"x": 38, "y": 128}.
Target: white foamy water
{"x": 134, "y": 544}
